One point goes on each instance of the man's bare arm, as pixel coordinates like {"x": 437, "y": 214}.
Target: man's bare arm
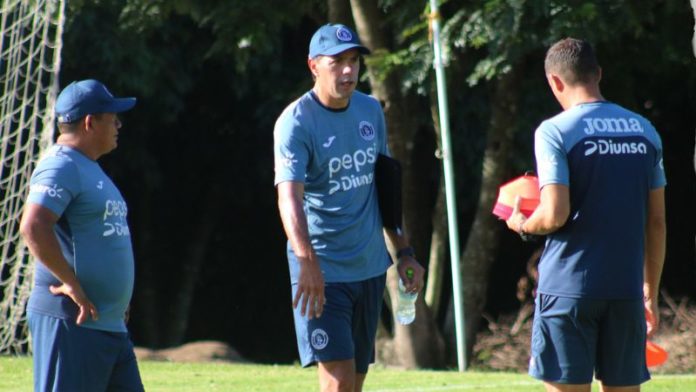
{"x": 310, "y": 286}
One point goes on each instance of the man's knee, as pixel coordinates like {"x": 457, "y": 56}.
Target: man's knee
{"x": 337, "y": 376}
{"x": 556, "y": 387}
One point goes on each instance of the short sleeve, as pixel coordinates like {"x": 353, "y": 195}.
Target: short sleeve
{"x": 551, "y": 158}
{"x": 292, "y": 149}
{"x": 54, "y": 184}
{"x": 659, "y": 178}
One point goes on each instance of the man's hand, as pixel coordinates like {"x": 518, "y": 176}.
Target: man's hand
{"x": 652, "y": 316}
{"x": 415, "y": 284}
{"x": 37, "y": 230}
{"x": 310, "y": 289}
{"x": 87, "y": 308}
{"x": 517, "y": 218}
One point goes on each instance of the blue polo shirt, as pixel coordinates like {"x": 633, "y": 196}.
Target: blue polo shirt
{"x": 93, "y": 235}
{"x": 333, "y": 153}
{"x": 610, "y": 158}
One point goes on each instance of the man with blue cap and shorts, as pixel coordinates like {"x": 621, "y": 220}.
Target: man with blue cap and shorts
{"x": 326, "y": 144}
{"x": 74, "y": 224}
{"x": 602, "y": 208}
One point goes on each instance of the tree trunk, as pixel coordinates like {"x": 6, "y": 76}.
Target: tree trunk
{"x": 339, "y": 12}
{"x": 440, "y": 234}
{"x": 202, "y": 232}
{"x": 419, "y": 344}
{"x": 438, "y": 253}
{"x": 693, "y": 47}
{"x": 693, "y": 39}
{"x": 479, "y": 252}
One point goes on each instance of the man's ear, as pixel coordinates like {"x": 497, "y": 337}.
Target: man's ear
{"x": 312, "y": 64}
{"x": 88, "y": 121}
{"x": 556, "y": 83}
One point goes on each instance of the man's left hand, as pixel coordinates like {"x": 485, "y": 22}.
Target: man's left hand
{"x": 517, "y": 218}
{"x": 415, "y": 284}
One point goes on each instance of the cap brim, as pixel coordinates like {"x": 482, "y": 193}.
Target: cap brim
{"x": 121, "y": 105}
{"x": 342, "y": 48}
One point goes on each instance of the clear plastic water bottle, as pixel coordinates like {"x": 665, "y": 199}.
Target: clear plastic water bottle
{"x": 406, "y": 302}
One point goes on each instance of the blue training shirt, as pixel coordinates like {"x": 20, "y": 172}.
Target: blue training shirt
{"x": 93, "y": 235}
{"x": 610, "y": 158}
{"x": 333, "y": 152}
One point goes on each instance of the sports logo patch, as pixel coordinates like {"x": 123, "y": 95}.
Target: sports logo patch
{"x": 319, "y": 339}
{"x": 288, "y": 159}
{"x": 50, "y": 190}
{"x": 366, "y": 130}
{"x": 343, "y": 34}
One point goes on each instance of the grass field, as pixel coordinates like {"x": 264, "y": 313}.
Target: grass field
{"x": 15, "y": 375}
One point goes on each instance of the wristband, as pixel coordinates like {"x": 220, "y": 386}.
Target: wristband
{"x": 407, "y": 251}
{"x": 525, "y": 236}
{"x": 520, "y": 227}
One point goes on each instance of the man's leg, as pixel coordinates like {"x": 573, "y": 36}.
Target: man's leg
{"x": 555, "y": 387}
{"x": 125, "y": 376}
{"x": 365, "y": 321}
{"x": 328, "y": 340}
{"x": 632, "y": 388}
{"x": 621, "y": 354}
{"x": 359, "y": 381}
{"x": 337, "y": 376}
{"x": 564, "y": 336}
{"x": 68, "y": 357}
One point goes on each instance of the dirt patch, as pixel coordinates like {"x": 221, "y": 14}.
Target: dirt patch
{"x": 505, "y": 345}
{"x": 203, "y": 351}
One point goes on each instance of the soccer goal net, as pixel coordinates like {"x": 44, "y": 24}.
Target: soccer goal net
{"x": 30, "y": 44}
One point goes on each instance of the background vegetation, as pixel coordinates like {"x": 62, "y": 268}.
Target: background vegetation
{"x": 195, "y": 157}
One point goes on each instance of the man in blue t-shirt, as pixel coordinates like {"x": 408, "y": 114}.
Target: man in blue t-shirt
{"x": 326, "y": 144}
{"x": 74, "y": 224}
{"x": 602, "y": 208}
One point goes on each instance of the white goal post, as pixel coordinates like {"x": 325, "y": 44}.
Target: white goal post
{"x": 30, "y": 46}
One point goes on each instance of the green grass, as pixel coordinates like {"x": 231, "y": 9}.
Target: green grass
{"x": 15, "y": 375}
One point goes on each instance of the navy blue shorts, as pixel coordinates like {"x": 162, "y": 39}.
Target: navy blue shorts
{"x": 68, "y": 357}
{"x": 346, "y": 328}
{"x": 574, "y": 339}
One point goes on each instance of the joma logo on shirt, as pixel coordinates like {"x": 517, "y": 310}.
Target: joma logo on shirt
{"x": 608, "y": 147}
{"x": 612, "y": 125}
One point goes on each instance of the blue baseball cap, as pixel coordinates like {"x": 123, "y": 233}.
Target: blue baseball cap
{"x": 332, "y": 39}
{"x": 88, "y": 97}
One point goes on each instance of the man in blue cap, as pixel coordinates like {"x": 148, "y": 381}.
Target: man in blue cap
{"x": 74, "y": 224}
{"x": 326, "y": 145}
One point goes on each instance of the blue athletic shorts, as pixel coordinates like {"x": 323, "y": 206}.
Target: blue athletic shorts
{"x": 346, "y": 328}
{"x": 68, "y": 357}
{"x": 573, "y": 338}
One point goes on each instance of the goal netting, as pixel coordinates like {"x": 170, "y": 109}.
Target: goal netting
{"x": 30, "y": 44}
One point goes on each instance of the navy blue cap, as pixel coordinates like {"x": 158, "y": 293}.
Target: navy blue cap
{"x": 332, "y": 39}
{"x": 88, "y": 97}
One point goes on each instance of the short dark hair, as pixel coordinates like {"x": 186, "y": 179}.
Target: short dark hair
{"x": 70, "y": 127}
{"x": 573, "y": 60}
